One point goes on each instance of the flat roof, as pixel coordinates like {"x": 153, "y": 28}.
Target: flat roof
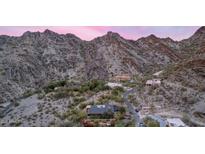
{"x": 176, "y": 121}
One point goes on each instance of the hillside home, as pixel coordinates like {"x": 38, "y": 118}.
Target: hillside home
{"x": 113, "y": 85}
{"x": 101, "y": 110}
{"x": 153, "y": 82}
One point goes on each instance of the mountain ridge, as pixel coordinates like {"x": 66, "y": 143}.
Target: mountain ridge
{"x": 34, "y": 58}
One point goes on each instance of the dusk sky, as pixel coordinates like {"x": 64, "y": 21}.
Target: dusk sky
{"x": 90, "y": 32}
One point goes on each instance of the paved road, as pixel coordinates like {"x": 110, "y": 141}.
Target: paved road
{"x": 130, "y": 107}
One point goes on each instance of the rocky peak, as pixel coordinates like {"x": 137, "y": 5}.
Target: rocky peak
{"x": 168, "y": 39}
{"x": 152, "y": 36}
{"x": 110, "y": 37}
{"x": 110, "y": 33}
{"x": 200, "y": 31}
{"x": 149, "y": 39}
{"x": 50, "y": 33}
{"x": 72, "y": 36}
{"x": 30, "y": 34}
{"x": 199, "y": 35}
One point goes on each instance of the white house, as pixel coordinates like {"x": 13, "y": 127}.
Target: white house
{"x": 175, "y": 122}
{"x": 113, "y": 85}
{"x": 153, "y": 82}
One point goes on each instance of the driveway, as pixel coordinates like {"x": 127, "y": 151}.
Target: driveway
{"x": 130, "y": 107}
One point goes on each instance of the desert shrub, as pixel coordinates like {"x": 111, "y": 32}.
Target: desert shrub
{"x": 120, "y": 123}
{"x": 61, "y": 94}
{"x": 16, "y": 104}
{"x": 91, "y": 103}
{"x": 130, "y": 84}
{"x": 28, "y": 93}
{"x": 115, "y": 96}
{"x": 82, "y": 106}
{"x": 41, "y": 95}
{"x": 78, "y": 99}
{"x": 66, "y": 124}
{"x": 183, "y": 89}
{"x": 133, "y": 100}
{"x": 103, "y": 99}
{"x": 130, "y": 123}
{"x": 77, "y": 115}
{"x": 117, "y": 99}
{"x": 15, "y": 124}
{"x": 2, "y": 71}
{"x": 185, "y": 99}
{"x": 202, "y": 88}
{"x": 152, "y": 107}
{"x": 52, "y": 123}
{"x": 122, "y": 110}
{"x": 130, "y": 97}
{"x": 117, "y": 91}
{"x": 119, "y": 116}
{"x": 50, "y": 87}
{"x": 149, "y": 122}
{"x": 94, "y": 85}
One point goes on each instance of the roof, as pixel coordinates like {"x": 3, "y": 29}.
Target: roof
{"x": 176, "y": 122}
{"x": 112, "y": 85}
{"x": 122, "y": 77}
{"x": 100, "y": 109}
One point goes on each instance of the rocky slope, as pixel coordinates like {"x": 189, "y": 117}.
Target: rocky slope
{"x": 33, "y": 59}
{"x": 29, "y": 61}
{"x": 182, "y": 90}
{"x": 195, "y": 44}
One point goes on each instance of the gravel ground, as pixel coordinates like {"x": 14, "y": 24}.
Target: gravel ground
{"x": 35, "y": 112}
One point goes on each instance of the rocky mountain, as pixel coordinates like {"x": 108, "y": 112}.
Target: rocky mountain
{"x": 182, "y": 92}
{"x": 33, "y": 59}
{"x": 195, "y": 44}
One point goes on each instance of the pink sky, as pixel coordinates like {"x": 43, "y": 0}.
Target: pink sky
{"x": 90, "y": 32}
